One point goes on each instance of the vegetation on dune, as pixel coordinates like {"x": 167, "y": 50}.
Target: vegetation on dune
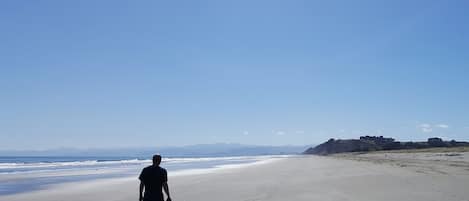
{"x": 378, "y": 143}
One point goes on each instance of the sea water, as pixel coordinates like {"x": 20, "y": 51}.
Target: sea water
{"x": 23, "y": 174}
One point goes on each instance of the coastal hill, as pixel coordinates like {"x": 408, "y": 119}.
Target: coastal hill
{"x": 377, "y": 143}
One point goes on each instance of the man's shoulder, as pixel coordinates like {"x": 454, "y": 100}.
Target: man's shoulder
{"x": 154, "y": 168}
{"x": 147, "y": 168}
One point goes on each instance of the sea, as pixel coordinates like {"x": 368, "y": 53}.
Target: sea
{"x": 24, "y": 174}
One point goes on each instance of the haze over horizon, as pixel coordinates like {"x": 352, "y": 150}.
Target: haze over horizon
{"x": 106, "y": 74}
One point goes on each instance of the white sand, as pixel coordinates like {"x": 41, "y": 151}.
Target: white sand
{"x": 295, "y": 179}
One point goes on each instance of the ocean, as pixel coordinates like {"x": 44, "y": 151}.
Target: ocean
{"x": 23, "y": 174}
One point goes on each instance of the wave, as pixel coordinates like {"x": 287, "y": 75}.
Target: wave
{"x": 232, "y": 158}
{"x": 7, "y": 167}
{"x": 28, "y": 167}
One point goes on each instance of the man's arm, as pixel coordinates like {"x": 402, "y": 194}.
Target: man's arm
{"x": 166, "y": 190}
{"x": 141, "y": 191}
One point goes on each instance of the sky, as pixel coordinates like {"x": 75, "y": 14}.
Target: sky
{"x": 102, "y": 74}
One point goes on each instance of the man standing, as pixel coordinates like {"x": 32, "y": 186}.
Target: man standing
{"x": 154, "y": 178}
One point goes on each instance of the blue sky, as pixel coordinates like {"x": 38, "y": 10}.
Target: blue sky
{"x": 158, "y": 73}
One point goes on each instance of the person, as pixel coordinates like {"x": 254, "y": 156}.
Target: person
{"x": 154, "y": 178}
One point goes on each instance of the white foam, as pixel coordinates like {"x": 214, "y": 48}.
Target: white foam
{"x": 260, "y": 160}
{"x": 12, "y": 168}
{"x": 72, "y": 163}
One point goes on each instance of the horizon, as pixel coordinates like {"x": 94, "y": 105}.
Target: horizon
{"x": 203, "y": 144}
{"x": 150, "y": 147}
{"x": 156, "y": 73}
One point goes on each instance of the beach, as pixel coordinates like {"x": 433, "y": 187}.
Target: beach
{"x": 364, "y": 177}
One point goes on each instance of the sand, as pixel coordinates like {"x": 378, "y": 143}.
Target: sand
{"x": 366, "y": 177}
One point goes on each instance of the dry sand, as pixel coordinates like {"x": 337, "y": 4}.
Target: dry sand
{"x": 366, "y": 177}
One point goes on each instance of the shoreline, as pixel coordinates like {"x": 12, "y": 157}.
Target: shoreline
{"x": 297, "y": 178}
{"x": 29, "y": 182}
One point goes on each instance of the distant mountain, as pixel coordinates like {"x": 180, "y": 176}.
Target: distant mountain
{"x": 201, "y": 150}
{"x": 377, "y": 143}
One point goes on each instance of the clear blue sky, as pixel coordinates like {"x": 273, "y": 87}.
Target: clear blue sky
{"x": 153, "y": 73}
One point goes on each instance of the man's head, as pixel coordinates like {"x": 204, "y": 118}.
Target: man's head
{"x": 156, "y": 159}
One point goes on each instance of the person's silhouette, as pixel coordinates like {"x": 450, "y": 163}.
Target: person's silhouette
{"x": 154, "y": 178}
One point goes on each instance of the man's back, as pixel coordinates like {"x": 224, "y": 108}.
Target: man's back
{"x": 153, "y": 177}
